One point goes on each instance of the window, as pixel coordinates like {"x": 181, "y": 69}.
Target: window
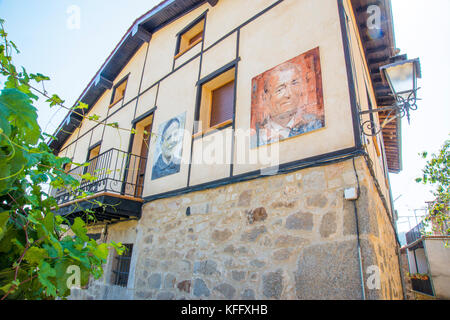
{"x": 222, "y": 104}
{"x": 118, "y": 92}
{"x": 94, "y": 151}
{"x": 190, "y": 36}
{"x": 121, "y": 267}
{"x": 141, "y": 143}
{"x": 67, "y": 167}
{"x": 215, "y": 109}
{"x": 92, "y": 158}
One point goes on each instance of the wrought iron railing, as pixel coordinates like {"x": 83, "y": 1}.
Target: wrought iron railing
{"x": 415, "y": 233}
{"x": 114, "y": 171}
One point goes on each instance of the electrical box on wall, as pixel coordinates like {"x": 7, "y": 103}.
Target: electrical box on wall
{"x": 350, "y": 194}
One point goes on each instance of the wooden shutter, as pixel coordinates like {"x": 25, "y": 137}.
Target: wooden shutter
{"x": 198, "y": 36}
{"x": 222, "y": 104}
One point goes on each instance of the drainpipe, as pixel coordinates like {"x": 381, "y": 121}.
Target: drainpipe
{"x": 358, "y": 245}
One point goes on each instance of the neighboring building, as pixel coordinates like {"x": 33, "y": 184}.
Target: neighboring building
{"x": 428, "y": 257}
{"x": 228, "y": 209}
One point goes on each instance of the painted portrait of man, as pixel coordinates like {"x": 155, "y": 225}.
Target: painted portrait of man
{"x": 169, "y": 146}
{"x": 287, "y": 100}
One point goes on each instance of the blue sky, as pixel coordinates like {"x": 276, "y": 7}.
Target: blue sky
{"x": 71, "y": 57}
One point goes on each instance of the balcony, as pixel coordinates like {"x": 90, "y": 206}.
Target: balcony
{"x": 117, "y": 184}
{"x": 415, "y": 233}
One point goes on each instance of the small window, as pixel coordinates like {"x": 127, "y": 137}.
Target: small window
{"x": 121, "y": 267}
{"x": 119, "y": 92}
{"x": 94, "y": 152}
{"x": 67, "y": 167}
{"x": 92, "y": 158}
{"x": 217, "y": 101}
{"x": 222, "y": 104}
{"x": 189, "y": 38}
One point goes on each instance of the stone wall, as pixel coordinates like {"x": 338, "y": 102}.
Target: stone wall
{"x": 290, "y": 236}
{"x": 404, "y": 264}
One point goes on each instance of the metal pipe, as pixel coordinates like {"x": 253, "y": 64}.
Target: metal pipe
{"x": 358, "y": 246}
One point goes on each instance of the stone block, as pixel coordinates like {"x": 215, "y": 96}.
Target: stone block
{"x": 169, "y": 281}
{"x": 165, "y": 295}
{"x": 256, "y": 215}
{"x": 200, "y": 288}
{"x": 328, "y": 271}
{"x": 257, "y": 263}
{"x": 282, "y": 254}
{"x": 272, "y": 284}
{"x": 328, "y": 225}
{"x": 289, "y": 241}
{"x": 314, "y": 181}
{"x": 300, "y": 221}
{"x": 248, "y": 294}
{"x": 245, "y": 198}
{"x": 317, "y": 201}
{"x": 238, "y": 275}
{"x": 154, "y": 281}
{"x": 143, "y": 295}
{"x": 284, "y": 204}
{"x": 226, "y": 289}
{"x": 184, "y": 286}
{"x": 148, "y": 239}
{"x": 253, "y": 234}
{"x": 202, "y": 208}
{"x": 220, "y": 235}
{"x": 207, "y": 267}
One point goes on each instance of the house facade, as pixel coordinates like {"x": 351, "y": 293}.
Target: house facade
{"x": 228, "y": 146}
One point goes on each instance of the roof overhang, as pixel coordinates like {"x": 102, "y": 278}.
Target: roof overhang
{"x": 139, "y": 33}
{"x": 379, "y": 48}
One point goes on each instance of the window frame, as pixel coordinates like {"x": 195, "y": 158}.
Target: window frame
{"x": 179, "y": 35}
{"x": 200, "y": 105}
{"x": 119, "y": 263}
{"x": 89, "y": 159}
{"x": 121, "y": 82}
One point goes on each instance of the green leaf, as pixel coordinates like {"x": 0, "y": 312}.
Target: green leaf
{"x": 38, "y": 77}
{"x": 4, "y": 217}
{"x": 101, "y": 251}
{"x": 93, "y": 117}
{"x": 45, "y": 275}
{"x": 79, "y": 229}
{"x": 35, "y": 255}
{"x": 113, "y": 125}
{"x": 16, "y": 105}
{"x": 87, "y": 176}
{"x": 14, "y": 46}
{"x": 5, "y": 288}
{"x": 54, "y": 100}
{"x": 82, "y": 105}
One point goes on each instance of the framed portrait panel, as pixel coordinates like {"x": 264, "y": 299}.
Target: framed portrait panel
{"x": 287, "y": 100}
{"x": 169, "y": 147}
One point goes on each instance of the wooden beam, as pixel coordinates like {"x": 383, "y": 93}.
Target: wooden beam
{"x": 376, "y": 49}
{"x": 142, "y": 34}
{"x": 212, "y": 2}
{"x": 103, "y": 82}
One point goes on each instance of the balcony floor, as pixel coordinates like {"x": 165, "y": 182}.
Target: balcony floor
{"x": 105, "y": 206}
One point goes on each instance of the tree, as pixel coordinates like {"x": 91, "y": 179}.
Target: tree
{"x": 437, "y": 174}
{"x": 39, "y": 250}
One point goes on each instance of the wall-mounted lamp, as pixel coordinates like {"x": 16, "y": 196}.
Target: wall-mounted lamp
{"x": 402, "y": 79}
